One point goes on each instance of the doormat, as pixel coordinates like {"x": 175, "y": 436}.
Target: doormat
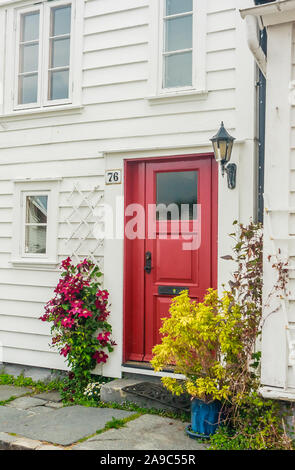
{"x": 160, "y": 394}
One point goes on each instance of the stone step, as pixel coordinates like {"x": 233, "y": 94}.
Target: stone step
{"x": 149, "y": 394}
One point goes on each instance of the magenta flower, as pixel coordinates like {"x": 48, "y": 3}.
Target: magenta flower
{"x": 65, "y": 351}
{"x": 100, "y": 356}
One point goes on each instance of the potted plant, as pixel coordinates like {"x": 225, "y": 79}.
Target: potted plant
{"x": 193, "y": 342}
{"x": 212, "y": 343}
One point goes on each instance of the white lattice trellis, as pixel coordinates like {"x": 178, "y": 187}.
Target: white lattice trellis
{"x": 82, "y": 223}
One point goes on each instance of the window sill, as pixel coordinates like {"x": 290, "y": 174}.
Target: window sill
{"x": 36, "y": 263}
{"x": 177, "y": 96}
{"x": 50, "y": 111}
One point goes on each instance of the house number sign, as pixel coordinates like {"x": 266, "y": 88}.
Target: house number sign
{"x": 113, "y": 177}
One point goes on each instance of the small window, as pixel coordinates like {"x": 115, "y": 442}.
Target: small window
{"x": 178, "y": 44}
{"x": 177, "y": 50}
{"x": 36, "y": 224}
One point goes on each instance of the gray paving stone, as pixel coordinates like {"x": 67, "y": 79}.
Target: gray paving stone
{"x": 63, "y": 426}
{"x": 49, "y": 396}
{"x": 40, "y": 409}
{"x": 11, "y": 417}
{"x": 25, "y": 444}
{"x": 8, "y": 391}
{"x": 24, "y": 403}
{"x": 148, "y": 432}
{"x": 53, "y": 404}
{"x": 6, "y": 440}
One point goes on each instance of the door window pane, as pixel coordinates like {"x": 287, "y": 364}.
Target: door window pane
{"x": 179, "y": 188}
{"x": 178, "y": 70}
{"x": 59, "y": 85}
{"x": 174, "y": 7}
{"x": 179, "y": 34}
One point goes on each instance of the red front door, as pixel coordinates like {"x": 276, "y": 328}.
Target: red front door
{"x": 175, "y": 250}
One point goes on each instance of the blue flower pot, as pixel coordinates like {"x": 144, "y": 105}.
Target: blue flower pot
{"x": 205, "y": 418}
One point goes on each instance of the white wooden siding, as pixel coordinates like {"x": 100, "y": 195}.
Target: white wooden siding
{"x": 115, "y": 115}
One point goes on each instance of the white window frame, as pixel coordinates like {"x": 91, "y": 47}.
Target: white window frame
{"x": 19, "y": 13}
{"x": 11, "y": 19}
{"x": 157, "y": 30}
{"x": 24, "y": 188}
{"x": 45, "y": 65}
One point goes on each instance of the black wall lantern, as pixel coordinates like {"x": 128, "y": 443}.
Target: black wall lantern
{"x": 222, "y": 145}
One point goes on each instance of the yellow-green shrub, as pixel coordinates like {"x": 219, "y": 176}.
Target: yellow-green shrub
{"x": 200, "y": 340}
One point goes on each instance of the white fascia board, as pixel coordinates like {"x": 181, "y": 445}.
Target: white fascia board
{"x": 281, "y": 11}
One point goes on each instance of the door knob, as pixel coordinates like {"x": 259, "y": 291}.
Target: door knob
{"x": 148, "y": 262}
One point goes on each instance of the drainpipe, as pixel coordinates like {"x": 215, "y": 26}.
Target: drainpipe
{"x": 254, "y": 43}
{"x": 261, "y": 130}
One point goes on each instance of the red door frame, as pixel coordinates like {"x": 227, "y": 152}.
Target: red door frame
{"x": 134, "y": 170}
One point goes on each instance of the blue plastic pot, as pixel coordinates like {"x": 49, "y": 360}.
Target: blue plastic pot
{"x": 205, "y": 418}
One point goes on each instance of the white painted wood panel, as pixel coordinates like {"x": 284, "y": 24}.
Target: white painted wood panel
{"x": 115, "y": 115}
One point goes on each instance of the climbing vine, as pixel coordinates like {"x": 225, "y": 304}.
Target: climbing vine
{"x": 78, "y": 313}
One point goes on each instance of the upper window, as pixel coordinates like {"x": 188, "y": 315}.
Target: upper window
{"x": 178, "y": 43}
{"x": 41, "y": 57}
{"x": 178, "y": 47}
{"x": 43, "y": 68}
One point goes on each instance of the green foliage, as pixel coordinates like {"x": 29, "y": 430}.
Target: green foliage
{"x": 21, "y": 381}
{"x": 213, "y": 344}
{"x": 195, "y": 338}
{"x": 257, "y": 426}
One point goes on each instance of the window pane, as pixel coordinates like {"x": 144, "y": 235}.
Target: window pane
{"x": 177, "y": 187}
{"x": 178, "y": 6}
{"x": 35, "y": 239}
{"x": 61, "y": 20}
{"x": 179, "y": 33}
{"x": 28, "y": 86}
{"x": 29, "y": 58}
{"x": 36, "y": 209}
{"x": 59, "y": 85}
{"x": 178, "y": 70}
{"x": 30, "y": 26}
{"x": 60, "y": 54}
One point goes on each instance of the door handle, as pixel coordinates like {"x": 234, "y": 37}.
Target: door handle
{"x": 148, "y": 262}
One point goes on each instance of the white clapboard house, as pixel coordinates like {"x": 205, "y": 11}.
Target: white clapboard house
{"x": 114, "y": 102}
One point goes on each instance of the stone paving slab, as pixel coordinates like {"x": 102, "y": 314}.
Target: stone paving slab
{"x": 53, "y": 404}
{"x": 49, "y": 396}
{"x": 63, "y": 426}
{"x": 23, "y": 403}
{"x": 11, "y": 417}
{"x": 148, "y": 432}
{"x": 8, "y": 391}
